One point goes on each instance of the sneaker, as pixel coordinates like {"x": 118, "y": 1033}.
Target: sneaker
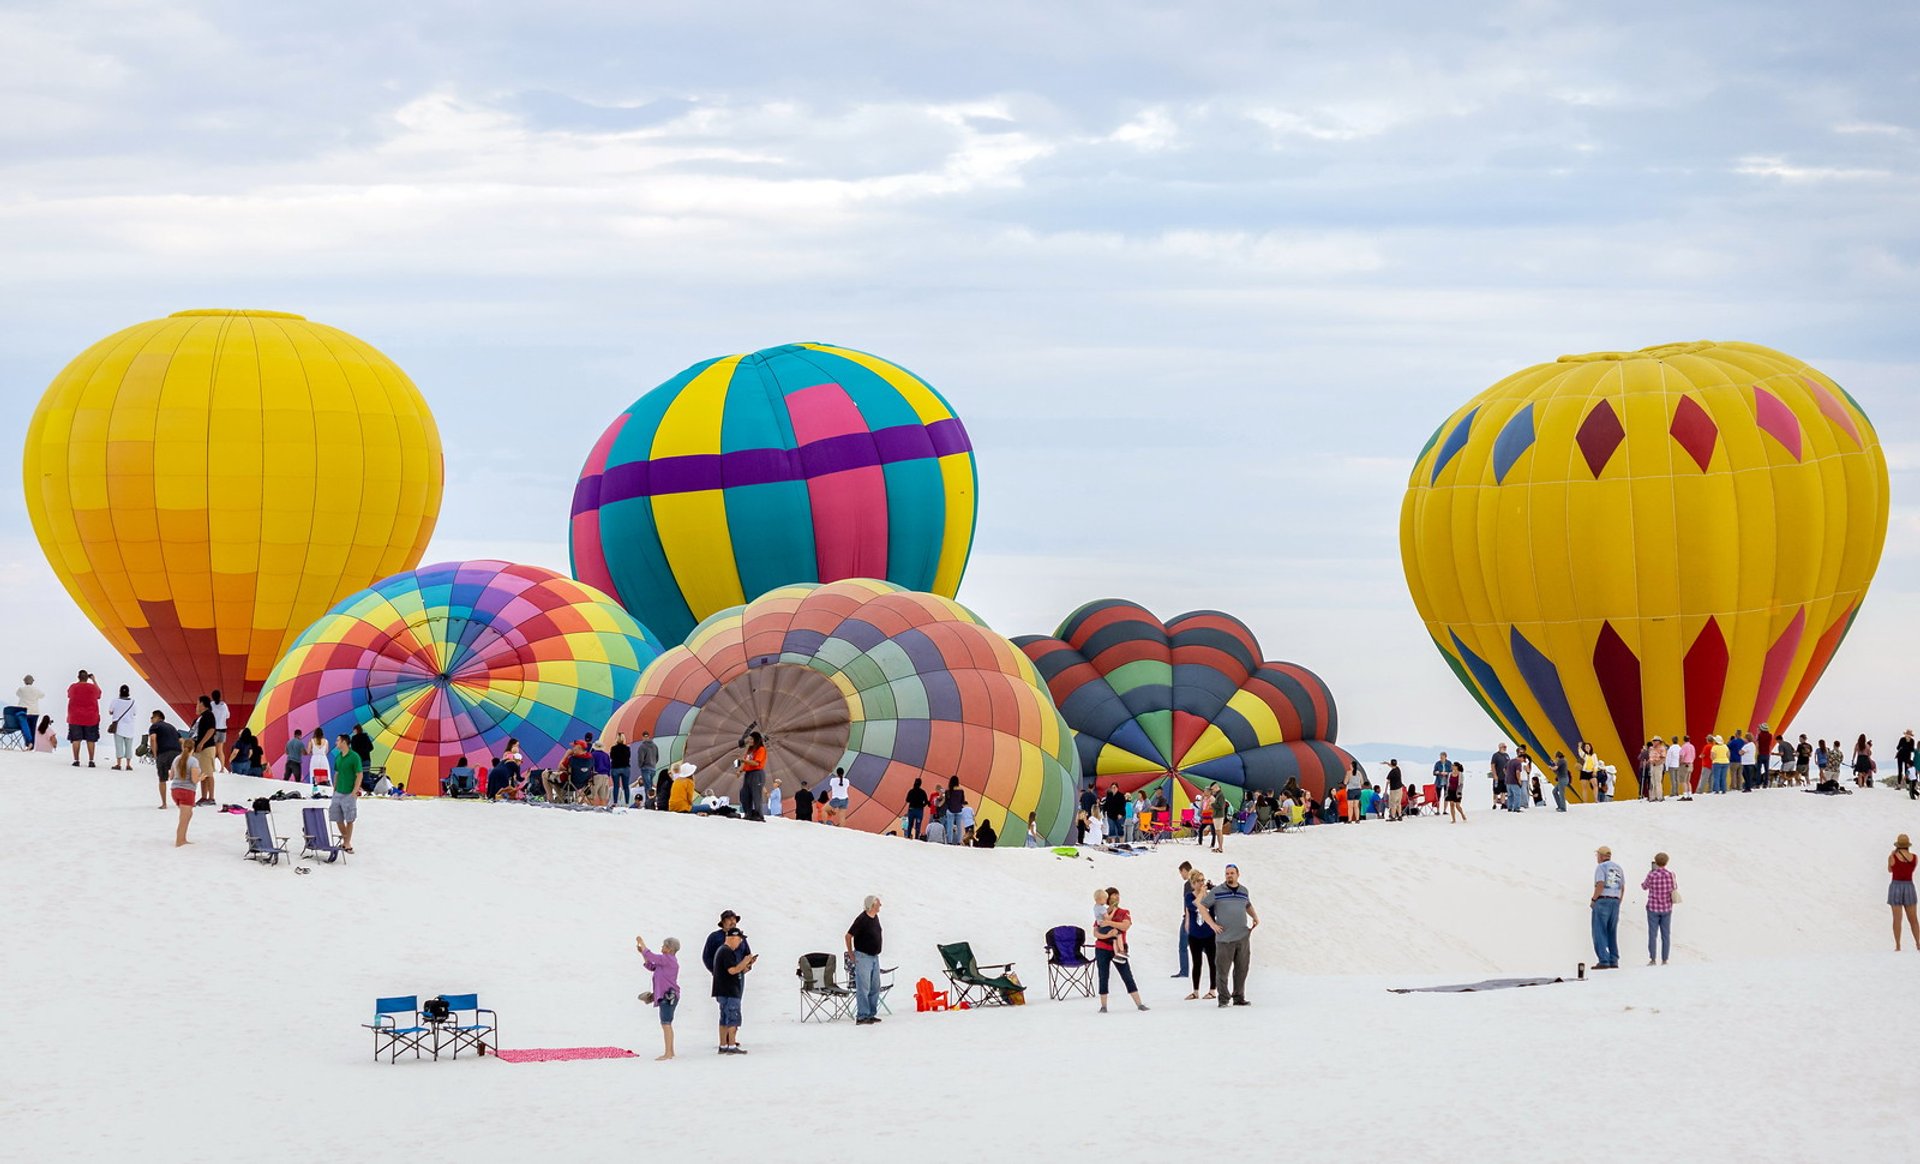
{"x": 737, "y": 1049}
{"x": 1140, "y": 1006}
{"x": 1241, "y": 1002}
{"x": 1223, "y": 1004}
{"x": 1103, "y": 1008}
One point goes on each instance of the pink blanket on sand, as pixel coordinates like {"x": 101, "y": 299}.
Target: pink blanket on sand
{"x": 562, "y": 1054}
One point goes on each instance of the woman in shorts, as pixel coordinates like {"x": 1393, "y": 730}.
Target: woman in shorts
{"x": 183, "y": 782}
{"x": 1900, "y": 894}
{"x": 665, "y": 995}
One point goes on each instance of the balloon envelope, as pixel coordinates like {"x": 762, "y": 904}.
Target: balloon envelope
{"x": 890, "y": 684}
{"x": 1151, "y": 701}
{"x": 802, "y": 463}
{"x": 1671, "y": 541}
{"x": 207, "y": 484}
{"x": 451, "y": 660}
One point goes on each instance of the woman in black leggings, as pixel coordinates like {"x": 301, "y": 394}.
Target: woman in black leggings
{"x": 1199, "y": 937}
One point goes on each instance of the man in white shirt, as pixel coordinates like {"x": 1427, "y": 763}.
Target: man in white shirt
{"x": 1673, "y": 767}
{"x": 220, "y": 714}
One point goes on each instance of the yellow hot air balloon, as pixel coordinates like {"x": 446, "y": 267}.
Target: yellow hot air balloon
{"x": 208, "y": 484}
{"x": 1671, "y": 541}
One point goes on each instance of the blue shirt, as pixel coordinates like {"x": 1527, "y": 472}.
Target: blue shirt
{"x": 1611, "y": 878}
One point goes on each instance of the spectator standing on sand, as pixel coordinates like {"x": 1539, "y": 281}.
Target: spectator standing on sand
{"x": 344, "y": 808}
{"x": 1589, "y": 770}
{"x": 1903, "y": 750}
{"x": 1202, "y": 945}
{"x": 1109, "y": 948}
{"x": 1223, "y": 816}
{"x": 602, "y": 782}
{"x": 1396, "y": 790}
{"x": 951, "y": 809}
{"x": 1186, "y": 913}
{"x": 916, "y": 809}
{"x": 1114, "y": 807}
{"x": 646, "y": 763}
{"x": 620, "y": 761}
{"x": 730, "y": 965}
{"x": 294, "y": 764}
{"x": 863, "y": 942}
{"x": 183, "y": 780}
{"x": 217, "y": 704}
{"x": 83, "y": 716}
{"x": 1499, "y": 763}
{"x": 1442, "y": 773}
{"x": 665, "y": 995}
{"x": 123, "y": 718}
{"x": 803, "y": 803}
{"x": 1900, "y": 894}
{"x": 1562, "y": 781}
{"x": 1661, "y": 894}
{"x": 1656, "y": 770}
{"x": 840, "y": 794}
{"x": 1456, "y": 793}
{"x": 204, "y": 746}
{"x": 775, "y": 804}
{"x": 362, "y": 746}
{"x": 163, "y": 742}
{"x": 753, "y": 771}
{"x": 1228, "y": 911}
{"x": 1609, "y": 881}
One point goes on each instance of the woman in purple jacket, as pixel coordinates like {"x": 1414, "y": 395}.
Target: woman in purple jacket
{"x": 665, "y": 995}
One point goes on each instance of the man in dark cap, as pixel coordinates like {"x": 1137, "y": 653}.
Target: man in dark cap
{"x": 730, "y": 965}
{"x": 728, "y": 920}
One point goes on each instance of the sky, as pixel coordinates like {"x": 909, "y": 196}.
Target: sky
{"x": 1199, "y": 278}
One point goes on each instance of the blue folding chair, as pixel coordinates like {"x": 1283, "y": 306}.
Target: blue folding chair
{"x": 1069, "y": 970}
{"x": 460, "y": 1033}
{"x": 319, "y": 842}
{"x": 389, "y": 1035}
{"x": 262, "y": 845}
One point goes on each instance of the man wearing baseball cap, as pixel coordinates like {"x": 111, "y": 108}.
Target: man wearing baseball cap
{"x": 730, "y": 965}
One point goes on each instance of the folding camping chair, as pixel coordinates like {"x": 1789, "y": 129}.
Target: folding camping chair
{"x": 458, "y": 1033}
{"x": 1069, "y": 970}
{"x": 821, "y": 997}
{"x": 317, "y": 841}
{"x": 886, "y": 979}
{"x": 1160, "y": 828}
{"x": 389, "y": 1035}
{"x": 262, "y": 845}
{"x": 973, "y": 987}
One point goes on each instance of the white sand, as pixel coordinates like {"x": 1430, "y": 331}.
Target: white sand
{"x": 188, "y": 1005}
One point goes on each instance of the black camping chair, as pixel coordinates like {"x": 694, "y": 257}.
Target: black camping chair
{"x": 821, "y": 998}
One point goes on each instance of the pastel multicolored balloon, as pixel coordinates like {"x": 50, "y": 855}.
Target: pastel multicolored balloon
{"x": 454, "y": 659}
{"x": 802, "y": 463}
{"x": 1150, "y": 703}
{"x": 890, "y": 684}
{"x": 1669, "y": 541}
{"x": 207, "y": 484}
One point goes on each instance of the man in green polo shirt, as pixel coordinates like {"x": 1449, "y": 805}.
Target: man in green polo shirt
{"x": 346, "y": 790}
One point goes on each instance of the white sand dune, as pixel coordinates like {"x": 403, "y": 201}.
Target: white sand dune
{"x": 188, "y": 1005}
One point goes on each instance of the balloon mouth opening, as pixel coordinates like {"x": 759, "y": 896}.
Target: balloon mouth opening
{"x": 1657, "y": 352}
{"x": 243, "y": 312}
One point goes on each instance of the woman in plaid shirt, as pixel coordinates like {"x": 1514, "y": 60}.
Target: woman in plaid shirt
{"x": 1659, "y": 885}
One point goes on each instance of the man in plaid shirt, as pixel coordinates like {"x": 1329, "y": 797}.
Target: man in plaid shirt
{"x": 1659, "y": 886}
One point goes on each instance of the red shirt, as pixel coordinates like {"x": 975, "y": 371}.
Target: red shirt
{"x": 1113, "y": 918}
{"x": 83, "y": 705}
{"x": 1902, "y": 870}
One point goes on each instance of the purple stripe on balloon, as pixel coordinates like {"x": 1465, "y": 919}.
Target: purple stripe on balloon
{"x": 690, "y": 474}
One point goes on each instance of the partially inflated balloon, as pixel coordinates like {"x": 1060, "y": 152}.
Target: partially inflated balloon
{"x": 889, "y": 684}
{"x": 208, "y": 484}
{"x": 1669, "y": 541}
{"x": 454, "y": 659}
{"x": 1151, "y": 702}
{"x": 803, "y": 463}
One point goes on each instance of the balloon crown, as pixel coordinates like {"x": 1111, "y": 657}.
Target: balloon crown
{"x": 1657, "y": 352}
{"x": 249, "y": 313}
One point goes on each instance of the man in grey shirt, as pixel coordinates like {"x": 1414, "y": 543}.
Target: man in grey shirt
{"x": 1228, "y": 911}
{"x": 646, "y": 757}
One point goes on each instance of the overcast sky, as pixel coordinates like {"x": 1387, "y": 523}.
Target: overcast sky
{"x": 1200, "y": 278}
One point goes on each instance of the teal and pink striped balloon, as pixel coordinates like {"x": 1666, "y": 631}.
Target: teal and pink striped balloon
{"x": 801, "y": 463}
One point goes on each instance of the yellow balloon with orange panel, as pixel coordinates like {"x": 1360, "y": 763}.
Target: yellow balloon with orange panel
{"x": 1671, "y": 541}
{"x": 208, "y": 484}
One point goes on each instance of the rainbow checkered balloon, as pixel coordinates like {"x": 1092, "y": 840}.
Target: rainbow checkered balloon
{"x": 454, "y": 659}
{"x": 892, "y": 685}
{"x": 801, "y": 463}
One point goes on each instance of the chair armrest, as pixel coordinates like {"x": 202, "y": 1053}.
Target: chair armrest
{"x": 480, "y": 1010}
{"x": 993, "y": 965}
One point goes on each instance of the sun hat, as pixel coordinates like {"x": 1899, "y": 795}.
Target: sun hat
{"x": 1901, "y": 842}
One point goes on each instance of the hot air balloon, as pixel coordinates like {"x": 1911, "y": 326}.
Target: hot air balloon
{"x": 890, "y": 684}
{"x": 454, "y": 659}
{"x": 802, "y": 463}
{"x": 1188, "y": 702}
{"x": 207, "y": 484}
{"x": 1669, "y": 541}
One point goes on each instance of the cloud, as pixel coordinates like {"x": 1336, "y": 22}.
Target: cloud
{"x": 1195, "y": 276}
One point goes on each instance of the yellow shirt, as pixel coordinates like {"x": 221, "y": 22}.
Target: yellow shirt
{"x": 1720, "y": 754}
